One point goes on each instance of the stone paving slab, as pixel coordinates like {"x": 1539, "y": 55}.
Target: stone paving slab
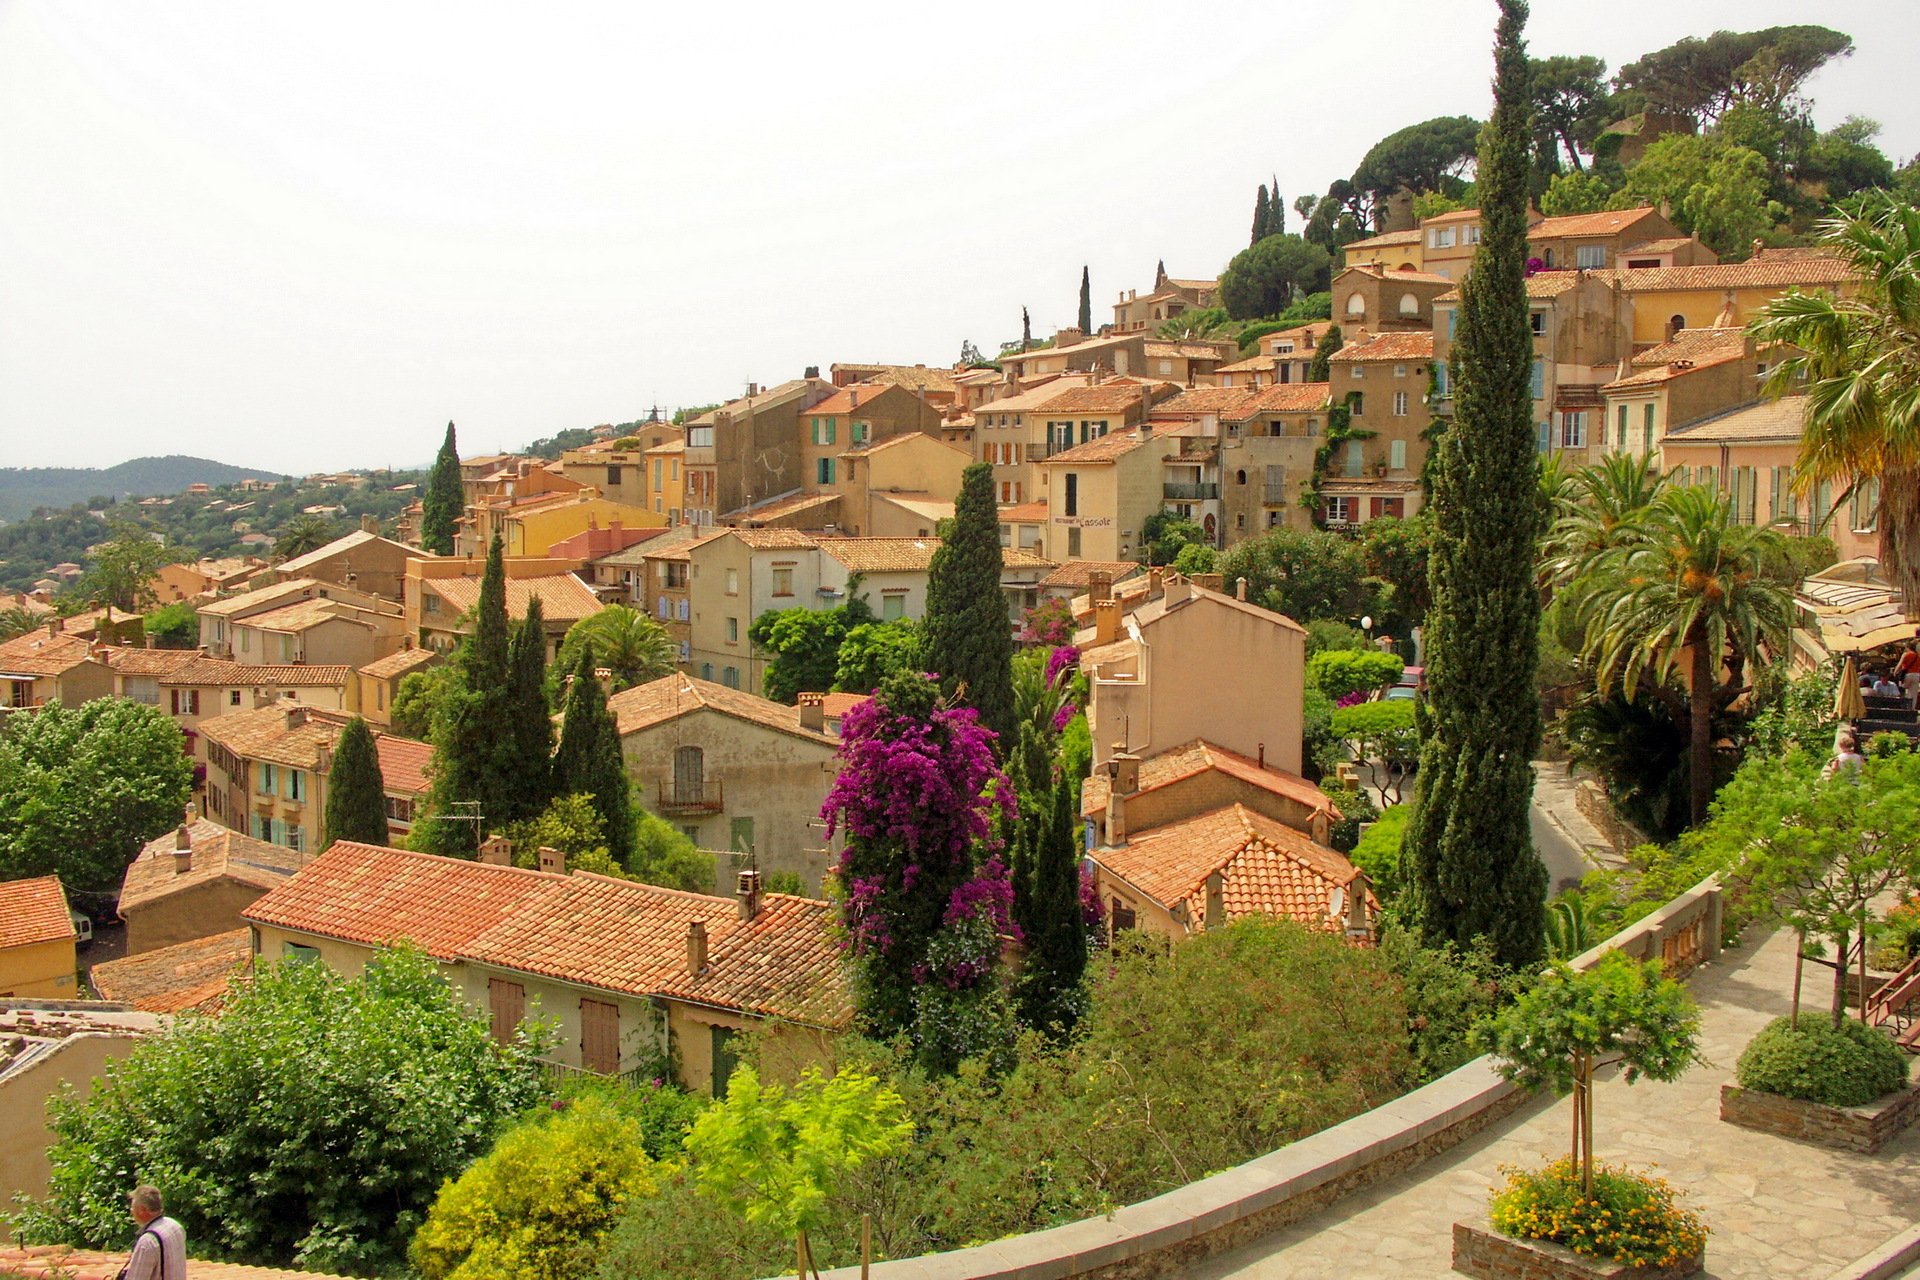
{"x": 1774, "y": 1208}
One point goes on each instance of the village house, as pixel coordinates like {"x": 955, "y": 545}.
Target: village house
{"x": 194, "y": 976}
{"x": 735, "y": 772}
{"x": 195, "y": 881}
{"x": 1390, "y": 250}
{"x": 1657, "y": 303}
{"x": 1168, "y": 298}
{"x": 1155, "y": 676}
{"x": 748, "y": 448}
{"x": 1383, "y": 384}
{"x": 1065, "y": 582}
{"x": 1376, "y": 299}
{"x": 1011, "y": 436}
{"x": 36, "y": 940}
{"x": 1697, "y": 374}
{"x": 666, "y": 479}
{"x": 378, "y": 683}
{"x": 941, "y": 387}
{"x": 1267, "y": 447}
{"x": 267, "y": 773}
{"x": 223, "y": 621}
{"x": 857, "y": 416}
{"x": 594, "y": 541}
{"x": 900, "y": 486}
{"x": 362, "y": 560}
{"x": 49, "y": 664}
{"x": 661, "y": 584}
{"x": 1282, "y": 357}
{"x": 1137, "y": 353}
{"x": 620, "y": 470}
{"x": 442, "y": 594}
{"x": 200, "y": 688}
{"x": 632, "y": 973}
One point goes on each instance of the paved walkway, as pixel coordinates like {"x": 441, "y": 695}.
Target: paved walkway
{"x": 1774, "y": 1208}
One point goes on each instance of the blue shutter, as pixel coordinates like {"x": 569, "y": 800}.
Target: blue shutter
{"x": 1537, "y": 380}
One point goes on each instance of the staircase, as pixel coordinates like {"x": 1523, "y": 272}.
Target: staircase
{"x": 1887, "y": 715}
{"x": 1892, "y": 1006}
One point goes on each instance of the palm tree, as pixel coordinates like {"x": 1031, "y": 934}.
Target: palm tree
{"x": 1596, "y": 509}
{"x": 302, "y": 534}
{"x": 1686, "y": 583}
{"x": 17, "y": 622}
{"x": 1861, "y": 372}
{"x": 625, "y": 641}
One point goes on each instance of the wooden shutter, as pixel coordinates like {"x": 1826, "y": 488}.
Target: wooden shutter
{"x": 600, "y": 1036}
{"x": 508, "y": 1002}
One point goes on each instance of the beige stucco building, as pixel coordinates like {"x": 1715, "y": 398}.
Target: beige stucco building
{"x": 195, "y": 881}
{"x": 36, "y": 939}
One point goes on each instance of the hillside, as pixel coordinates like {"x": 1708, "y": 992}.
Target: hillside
{"x": 24, "y": 488}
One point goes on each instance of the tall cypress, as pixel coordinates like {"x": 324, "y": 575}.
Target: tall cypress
{"x": 1276, "y": 210}
{"x": 441, "y": 505}
{"x": 1469, "y": 850}
{"x": 356, "y": 793}
{"x": 1319, "y": 369}
{"x": 1261, "y": 216}
{"x": 589, "y": 761}
{"x": 472, "y": 756}
{"x": 528, "y": 731}
{"x": 969, "y": 640}
{"x": 1056, "y": 932}
{"x": 1086, "y": 302}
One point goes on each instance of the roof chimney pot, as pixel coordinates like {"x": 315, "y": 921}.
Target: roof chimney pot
{"x": 696, "y": 948}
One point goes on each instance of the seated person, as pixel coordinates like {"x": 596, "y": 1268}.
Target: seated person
{"x": 1885, "y": 688}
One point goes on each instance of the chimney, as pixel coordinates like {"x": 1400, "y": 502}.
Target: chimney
{"x": 496, "y": 851}
{"x": 553, "y": 860}
{"x": 370, "y": 524}
{"x": 296, "y": 717}
{"x": 1177, "y": 589}
{"x": 853, "y": 398}
{"x": 1210, "y": 581}
{"x": 1216, "y": 900}
{"x": 1106, "y": 622}
{"x": 54, "y": 626}
{"x": 813, "y": 714}
{"x": 1116, "y": 834}
{"x": 182, "y": 850}
{"x": 746, "y": 889}
{"x": 696, "y": 948}
{"x": 813, "y": 371}
{"x": 1126, "y": 777}
{"x": 1099, "y": 585}
{"x": 1358, "y": 925}
{"x": 1239, "y": 588}
{"x": 1156, "y": 583}
{"x": 1262, "y": 758}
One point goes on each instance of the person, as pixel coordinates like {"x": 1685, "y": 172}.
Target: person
{"x": 160, "y": 1250}
{"x": 1846, "y": 754}
{"x": 1885, "y": 688}
{"x": 1908, "y": 673}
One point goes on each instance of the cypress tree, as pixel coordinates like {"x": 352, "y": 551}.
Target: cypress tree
{"x": 1276, "y": 210}
{"x": 1056, "y": 958}
{"x": 589, "y": 761}
{"x": 1469, "y": 850}
{"x": 356, "y": 793}
{"x": 969, "y": 641}
{"x": 1086, "y": 302}
{"x": 1261, "y": 216}
{"x": 528, "y": 731}
{"x": 1318, "y": 370}
{"x": 472, "y": 756}
{"x": 442, "y": 503}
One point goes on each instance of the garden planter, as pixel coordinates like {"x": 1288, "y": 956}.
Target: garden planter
{"x": 1479, "y": 1250}
{"x": 1863, "y": 1129}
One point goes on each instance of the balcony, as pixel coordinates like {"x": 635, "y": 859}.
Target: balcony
{"x": 1041, "y": 452}
{"x": 683, "y": 798}
{"x": 1190, "y": 492}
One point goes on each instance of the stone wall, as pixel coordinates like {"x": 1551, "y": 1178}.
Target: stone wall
{"x": 1479, "y": 1250}
{"x": 1865, "y": 1129}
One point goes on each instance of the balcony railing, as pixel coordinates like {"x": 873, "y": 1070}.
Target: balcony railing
{"x": 1189, "y": 492}
{"x": 704, "y": 796}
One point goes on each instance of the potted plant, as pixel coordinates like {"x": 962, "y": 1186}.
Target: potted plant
{"x": 1572, "y": 1212}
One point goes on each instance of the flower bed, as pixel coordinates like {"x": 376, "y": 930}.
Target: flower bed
{"x": 1844, "y": 1087}
{"x": 1543, "y": 1225}
{"x": 1479, "y": 1250}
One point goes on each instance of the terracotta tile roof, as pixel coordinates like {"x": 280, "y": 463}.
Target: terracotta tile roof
{"x": 399, "y": 663}
{"x": 1386, "y": 239}
{"x": 1202, "y": 400}
{"x": 38, "y": 654}
{"x": 1456, "y": 215}
{"x": 1387, "y": 346}
{"x": 319, "y": 555}
{"x": 882, "y": 555}
{"x": 1607, "y": 222}
{"x": 403, "y": 763}
{"x": 1287, "y": 397}
{"x": 1256, "y": 364}
{"x": 1078, "y": 573}
{"x": 563, "y": 597}
{"x": 1696, "y": 345}
{"x": 669, "y": 697}
{"x": 1759, "y": 273}
{"x": 33, "y": 911}
{"x": 1105, "y": 398}
{"x": 149, "y": 662}
{"x": 847, "y": 400}
{"x": 1033, "y": 398}
{"x": 1670, "y": 244}
{"x": 303, "y": 615}
{"x": 682, "y": 550}
{"x": 266, "y": 734}
{"x": 765, "y": 398}
{"x": 225, "y": 673}
{"x": 1655, "y": 375}
{"x": 218, "y": 854}
{"x": 914, "y": 377}
{"x": 1267, "y": 868}
{"x": 1025, "y": 512}
{"x": 265, "y": 597}
{"x": 783, "y": 963}
{"x": 1191, "y": 759}
{"x": 1298, "y": 335}
{"x": 59, "y": 1262}
{"x": 836, "y": 705}
{"x": 1182, "y": 351}
{"x": 1379, "y": 272}
{"x": 1544, "y": 285}
{"x": 1107, "y": 448}
{"x": 1768, "y": 422}
{"x": 1020, "y": 558}
{"x": 188, "y": 977}
{"x": 929, "y": 509}
{"x": 671, "y": 446}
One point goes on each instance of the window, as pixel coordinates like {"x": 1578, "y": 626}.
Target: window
{"x": 1399, "y": 404}
{"x": 823, "y": 470}
{"x": 1166, "y": 366}
{"x": 1397, "y": 455}
{"x": 296, "y": 838}
{"x": 1537, "y": 381}
{"x": 1573, "y": 430}
{"x": 1239, "y": 477}
{"x": 706, "y": 671}
{"x": 266, "y": 779}
{"x": 1470, "y": 234}
{"x": 1542, "y": 436}
{"x": 1646, "y": 429}
{"x": 659, "y": 473}
{"x": 1864, "y": 508}
{"x": 432, "y": 603}
{"x": 730, "y": 677}
{"x": 1359, "y": 372}
{"x": 1071, "y": 503}
{"x": 740, "y": 835}
{"x": 1356, "y": 305}
{"x": 1675, "y": 323}
{"x": 733, "y": 631}
{"x": 1399, "y": 371}
{"x": 1453, "y": 318}
{"x": 1440, "y": 381}
{"x": 1440, "y": 238}
{"x": 862, "y": 431}
{"x": 296, "y": 785}
{"x": 1073, "y": 543}
{"x": 246, "y": 637}
{"x": 294, "y": 951}
{"x": 1620, "y": 441}
{"x": 1409, "y": 305}
{"x": 507, "y": 1002}
{"x": 1339, "y": 509}
{"x": 724, "y": 1058}
{"x": 257, "y": 827}
{"x": 783, "y": 580}
{"x": 600, "y": 1036}
{"x": 1356, "y": 404}
{"x": 613, "y": 476}
{"x": 1537, "y": 321}
{"x": 893, "y": 605}
{"x": 733, "y": 582}
{"x": 689, "y": 774}
{"x": 233, "y": 697}
{"x": 1590, "y": 257}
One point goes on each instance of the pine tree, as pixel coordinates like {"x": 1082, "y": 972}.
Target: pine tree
{"x": 528, "y": 731}
{"x": 1050, "y": 994}
{"x": 589, "y": 761}
{"x": 356, "y": 793}
{"x": 1276, "y": 210}
{"x": 472, "y": 757}
{"x": 969, "y": 640}
{"x": 441, "y": 505}
{"x": 1086, "y": 302}
{"x": 1318, "y": 370}
{"x": 1470, "y": 853}
{"x": 1261, "y": 216}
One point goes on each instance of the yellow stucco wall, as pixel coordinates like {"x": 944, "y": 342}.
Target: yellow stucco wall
{"x": 534, "y": 533}
{"x": 44, "y": 970}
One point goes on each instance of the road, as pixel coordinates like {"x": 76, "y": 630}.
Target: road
{"x": 1565, "y": 862}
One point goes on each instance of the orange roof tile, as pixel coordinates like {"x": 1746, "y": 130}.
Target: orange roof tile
{"x": 1079, "y": 573}
{"x": 1607, "y": 222}
{"x": 188, "y": 977}
{"x": 265, "y": 597}
{"x": 1182, "y": 351}
{"x": 1202, "y": 400}
{"x": 1025, "y": 512}
{"x": 1267, "y": 868}
{"x": 251, "y": 675}
{"x": 658, "y": 701}
{"x": 1758, "y": 273}
{"x": 779, "y": 508}
{"x": 303, "y": 615}
{"x": 1667, "y": 244}
{"x": 33, "y": 911}
{"x": 563, "y": 597}
{"x": 836, "y": 705}
{"x": 218, "y": 854}
{"x": 1767, "y": 421}
{"x": 294, "y": 735}
{"x": 1696, "y": 345}
{"x": 1105, "y": 398}
{"x": 1379, "y": 272}
{"x": 1287, "y": 397}
{"x": 400, "y": 662}
{"x": 783, "y": 963}
{"x": 403, "y": 763}
{"x": 1544, "y": 284}
{"x": 149, "y": 662}
{"x": 38, "y": 654}
{"x": 1191, "y": 759}
{"x": 1387, "y": 346}
{"x": 1107, "y": 448}
{"x": 1386, "y": 239}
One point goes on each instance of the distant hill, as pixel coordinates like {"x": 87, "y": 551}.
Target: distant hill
{"x": 24, "y": 488}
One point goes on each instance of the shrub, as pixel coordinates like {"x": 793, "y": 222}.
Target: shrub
{"x": 1628, "y": 1217}
{"x": 1378, "y": 851}
{"x": 536, "y": 1206}
{"x": 1813, "y": 1060}
{"x": 1339, "y": 672}
{"x": 1447, "y": 991}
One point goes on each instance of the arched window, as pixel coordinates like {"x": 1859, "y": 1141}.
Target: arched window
{"x": 1409, "y": 305}
{"x": 1356, "y": 305}
{"x": 1675, "y": 324}
{"x": 1239, "y": 477}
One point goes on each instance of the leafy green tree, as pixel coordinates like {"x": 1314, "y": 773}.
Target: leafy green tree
{"x": 1429, "y": 156}
{"x": 1164, "y": 535}
{"x": 969, "y": 637}
{"x": 444, "y": 501}
{"x": 872, "y": 651}
{"x": 570, "y": 824}
{"x": 1702, "y": 77}
{"x": 625, "y": 641}
{"x": 17, "y": 622}
{"x": 473, "y": 761}
{"x": 1383, "y": 732}
{"x": 418, "y": 698}
{"x": 310, "y": 1125}
{"x": 1571, "y": 103}
{"x": 1396, "y": 551}
{"x": 589, "y": 761}
{"x": 1844, "y": 160}
{"x": 84, "y": 788}
{"x": 171, "y": 626}
{"x": 1051, "y": 997}
{"x": 1196, "y": 558}
{"x": 122, "y": 569}
{"x": 1717, "y": 191}
{"x": 1340, "y": 672}
{"x": 775, "y": 1155}
{"x": 356, "y": 792}
{"x": 1318, "y": 370}
{"x": 1086, "y": 302}
{"x": 1555, "y": 1033}
{"x": 1819, "y": 850}
{"x": 663, "y": 856}
{"x": 1473, "y": 871}
{"x": 1264, "y": 279}
{"x": 528, "y": 732}
{"x": 1303, "y": 573}
{"x": 805, "y": 644}
{"x": 1581, "y": 191}
{"x": 302, "y": 534}
{"x": 1689, "y": 582}
{"x": 1858, "y": 363}
{"x": 538, "y": 1204}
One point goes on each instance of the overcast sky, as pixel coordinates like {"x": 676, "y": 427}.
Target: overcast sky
{"x": 304, "y": 237}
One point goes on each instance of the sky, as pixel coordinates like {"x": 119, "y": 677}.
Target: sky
{"x": 301, "y": 237}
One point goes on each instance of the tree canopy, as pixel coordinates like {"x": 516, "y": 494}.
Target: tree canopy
{"x": 1265, "y": 278}
{"x": 356, "y": 792}
{"x": 1703, "y": 76}
{"x": 1434, "y": 155}
{"x": 443, "y": 502}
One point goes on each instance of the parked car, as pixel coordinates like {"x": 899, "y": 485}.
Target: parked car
{"x": 1411, "y": 684}
{"x": 82, "y": 928}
